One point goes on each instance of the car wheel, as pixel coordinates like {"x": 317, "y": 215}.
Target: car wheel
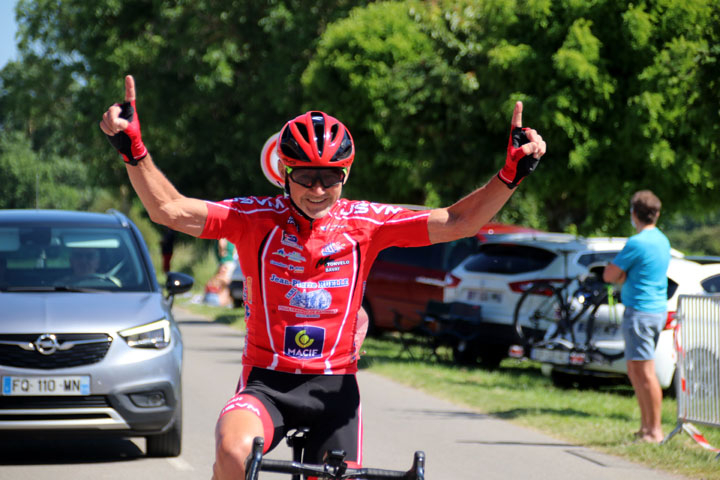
{"x": 490, "y": 357}
{"x": 699, "y": 362}
{"x": 465, "y": 354}
{"x": 168, "y": 444}
{"x": 671, "y": 390}
{"x": 563, "y": 380}
{"x": 237, "y": 302}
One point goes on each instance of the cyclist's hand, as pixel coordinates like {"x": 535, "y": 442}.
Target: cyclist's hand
{"x": 121, "y": 125}
{"x": 525, "y": 147}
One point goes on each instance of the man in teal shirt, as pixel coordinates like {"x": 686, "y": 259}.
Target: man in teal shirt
{"x": 641, "y": 268}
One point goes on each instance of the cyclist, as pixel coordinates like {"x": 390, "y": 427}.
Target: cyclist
{"x": 305, "y": 256}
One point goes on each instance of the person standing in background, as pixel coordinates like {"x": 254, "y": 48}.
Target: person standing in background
{"x": 641, "y": 269}
{"x": 167, "y": 246}
{"x": 225, "y": 252}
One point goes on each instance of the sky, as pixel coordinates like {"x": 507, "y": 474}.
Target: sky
{"x": 7, "y": 31}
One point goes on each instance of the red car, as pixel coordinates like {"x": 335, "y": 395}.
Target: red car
{"x": 403, "y": 280}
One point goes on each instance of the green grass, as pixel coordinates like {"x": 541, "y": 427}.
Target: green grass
{"x": 603, "y": 417}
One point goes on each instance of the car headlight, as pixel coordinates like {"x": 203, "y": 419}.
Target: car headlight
{"x": 151, "y": 335}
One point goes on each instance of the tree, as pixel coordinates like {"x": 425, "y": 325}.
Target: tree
{"x": 32, "y": 180}
{"x": 215, "y": 79}
{"x": 623, "y": 94}
{"x": 626, "y": 95}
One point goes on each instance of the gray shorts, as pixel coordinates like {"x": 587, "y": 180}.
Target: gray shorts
{"x": 641, "y": 331}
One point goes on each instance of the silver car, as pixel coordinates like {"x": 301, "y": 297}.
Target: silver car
{"x": 88, "y": 343}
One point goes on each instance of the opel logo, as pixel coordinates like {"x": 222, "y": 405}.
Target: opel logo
{"x": 46, "y": 344}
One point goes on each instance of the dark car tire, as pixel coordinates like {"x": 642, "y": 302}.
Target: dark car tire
{"x": 466, "y": 355}
{"x": 168, "y": 444}
{"x": 490, "y": 357}
{"x": 237, "y": 302}
{"x": 563, "y": 380}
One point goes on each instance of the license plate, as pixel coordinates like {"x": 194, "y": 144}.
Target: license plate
{"x": 55, "y": 385}
{"x": 484, "y": 296}
{"x": 543, "y": 355}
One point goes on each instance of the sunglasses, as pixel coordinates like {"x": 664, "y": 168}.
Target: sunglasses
{"x": 306, "y": 177}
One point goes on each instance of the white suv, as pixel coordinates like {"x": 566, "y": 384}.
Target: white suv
{"x": 496, "y": 277}
{"x": 684, "y": 278}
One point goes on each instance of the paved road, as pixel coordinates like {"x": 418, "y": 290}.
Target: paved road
{"x": 460, "y": 444}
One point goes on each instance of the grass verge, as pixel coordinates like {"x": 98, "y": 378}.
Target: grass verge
{"x": 602, "y": 418}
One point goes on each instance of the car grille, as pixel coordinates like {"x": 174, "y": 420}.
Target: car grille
{"x": 16, "y": 350}
{"x": 32, "y": 403}
{"x": 43, "y": 409}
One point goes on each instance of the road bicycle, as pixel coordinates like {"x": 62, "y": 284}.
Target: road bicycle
{"x": 558, "y": 324}
{"x": 333, "y": 467}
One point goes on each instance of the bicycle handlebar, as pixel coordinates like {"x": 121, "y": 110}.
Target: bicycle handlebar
{"x": 327, "y": 471}
{"x": 257, "y": 463}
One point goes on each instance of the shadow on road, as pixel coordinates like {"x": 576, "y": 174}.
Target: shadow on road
{"x": 63, "y": 451}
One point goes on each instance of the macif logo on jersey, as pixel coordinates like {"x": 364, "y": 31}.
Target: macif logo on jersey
{"x": 304, "y": 341}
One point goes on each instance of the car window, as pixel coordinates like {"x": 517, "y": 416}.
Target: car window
{"x": 509, "y": 259}
{"x": 671, "y": 288}
{"x": 711, "y": 284}
{"x": 587, "y": 259}
{"x": 439, "y": 256}
{"x": 75, "y": 257}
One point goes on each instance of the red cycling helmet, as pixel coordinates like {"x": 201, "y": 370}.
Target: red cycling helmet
{"x": 315, "y": 139}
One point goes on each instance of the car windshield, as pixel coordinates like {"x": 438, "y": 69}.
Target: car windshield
{"x": 509, "y": 259}
{"x": 439, "y": 256}
{"x": 588, "y": 259}
{"x": 45, "y": 258}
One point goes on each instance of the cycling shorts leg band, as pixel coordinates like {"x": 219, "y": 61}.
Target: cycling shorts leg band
{"x": 243, "y": 401}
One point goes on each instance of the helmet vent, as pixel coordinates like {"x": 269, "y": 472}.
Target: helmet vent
{"x": 316, "y": 139}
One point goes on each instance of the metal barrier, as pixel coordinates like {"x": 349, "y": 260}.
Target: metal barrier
{"x": 697, "y": 376}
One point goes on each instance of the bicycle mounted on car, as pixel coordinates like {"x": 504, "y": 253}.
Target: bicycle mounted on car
{"x": 557, "y": 324}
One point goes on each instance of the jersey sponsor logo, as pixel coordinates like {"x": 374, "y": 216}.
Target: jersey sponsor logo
{"x": 363, "y": 208}
{"x": 290, "y": 241}
{"x": 304, "y": 341}
{"x": 290, "y": 255}
{"x": 292, "y": 268}
{"x": 330, "y": 228}
{"x": 332, "y": 248}
{"x": 299, "y": 284}
{"x": 312, "y": 300}
{"x": 330, "y": 264}
{"x": 282, "y": 281}
{"x": 270, "y": 202}
{"x": 247, "y": 292}
{"x": 335, "y": 283}
{"x": 305, "y": 313}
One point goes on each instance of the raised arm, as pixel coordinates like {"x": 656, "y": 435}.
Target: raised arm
{"x": 164, "y": 203}
{"x": 467, "y": 216}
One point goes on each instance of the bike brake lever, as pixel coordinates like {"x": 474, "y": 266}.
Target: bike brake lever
{"x": 335, "y": 460}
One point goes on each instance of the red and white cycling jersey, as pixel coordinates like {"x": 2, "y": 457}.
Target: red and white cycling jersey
{"x": 304, "y": 280}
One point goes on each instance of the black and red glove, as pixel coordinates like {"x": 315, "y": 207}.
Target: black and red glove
{"x": 129, "y": 142}
{"x": 517, "y": 164}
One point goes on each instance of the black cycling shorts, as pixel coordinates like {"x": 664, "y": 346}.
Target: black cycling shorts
{"x": 329, "y": 405}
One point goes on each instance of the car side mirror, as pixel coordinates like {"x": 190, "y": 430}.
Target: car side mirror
{"x": 177, "y": 283}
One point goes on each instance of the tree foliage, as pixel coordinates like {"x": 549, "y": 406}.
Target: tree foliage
{"x": 40, "y": 180}
{"x": 214, "y": 80}
{"x": 626, "y": 95}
